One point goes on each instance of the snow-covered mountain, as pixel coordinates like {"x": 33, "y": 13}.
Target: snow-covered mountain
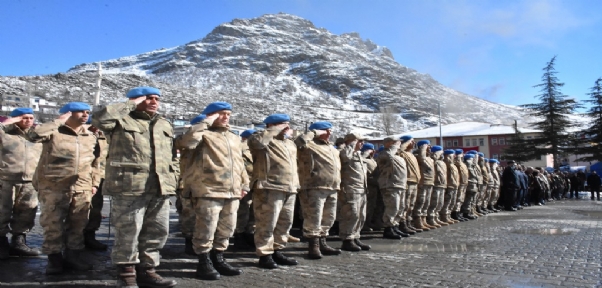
{"x": 280, "y": 63}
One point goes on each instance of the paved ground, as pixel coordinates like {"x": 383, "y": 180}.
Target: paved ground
{"x": 549, "y": 246}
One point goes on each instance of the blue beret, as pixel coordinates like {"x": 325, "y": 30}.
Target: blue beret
{"x": 436, "y": 148}
{"x": 449, "y": 152}
{"x": 21, "y": 111}
{"x": 468, "y": 156}
{"x": 423, "y": 142}
{"x": 142, "y": 91}
{"x": 74, "y": 107}
{"x": 481, "y": 154}
{"x": 276, "y": 118}
{"x": 405, "y": 138}
{"x": 217, "y": 106}
{"x": 198, "y": 119}
{"x": 459, "y": 151}
{"x": 382, "y": 148}
{"x": 247, "y": 133}
{"x": 367, "y": 146}
{"x": 472, "y": 152}
{"x": 321, "y": 125}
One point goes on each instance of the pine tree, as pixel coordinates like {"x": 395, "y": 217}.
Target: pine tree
{"x": 552, "y": 111}
{"x": 518, "y": 149}
{"x": 593, "y": 149}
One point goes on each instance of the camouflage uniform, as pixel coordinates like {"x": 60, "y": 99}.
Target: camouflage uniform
{"x": 64, "y": 179}
{"x": 320, "y": 179}
{"x": 495, "y": 189}
{"x": 427, "y": 180}
{"x": 275, "y": 183}
{"x": 392, "y": 183}
{"x": 100, "y": 153}
{"x": 374, "y": 202}
{"x": 472, "y": 188}
{"x": 463, "y": 175}
{"x": 141, "y": 175}
{"x": 414, "y": 176}
{"x": 186, "y": 217}
{"x": 216, "y": 178}
{"x": 485, "y": 182}
{"x": 453, "y": 180}
{"x": 479, "y": 175}
{"x": 245, "y": 220}
{"x": 18, "y": 198}
{"x": 352, "y": 196}
{"x": 436, "y": 201}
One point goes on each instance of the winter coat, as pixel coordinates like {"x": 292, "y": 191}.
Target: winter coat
{"x": 462, "y": 171}
{"x": 392, "y": 169}
{"x": 318, "y": 162}
{"x": 19, "y": 156}
{"x": 440, "y": 174}
{"x": 353, "y": 171}
{"x": 427, "y": 168}
{"x": 593, "y": 180}
{"x": 453, "y": 175}
{"x": 413, "y": 167}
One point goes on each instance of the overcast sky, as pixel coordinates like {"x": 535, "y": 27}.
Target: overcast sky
{"x": 491, "y": 49}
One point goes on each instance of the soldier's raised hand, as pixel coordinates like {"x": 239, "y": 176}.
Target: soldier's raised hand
{"x": 63, "y": 118}
{"x": 138, "y": 100}
{"x": 12, "y": 120}
{"x": 212, "y": 117}
{"x": 320, "y": 132}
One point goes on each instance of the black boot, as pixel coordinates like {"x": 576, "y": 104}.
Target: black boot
{"x": 280, "y": 259}
{"x": 127, "y": 276}
{"x": 397, "y": 231}
{"x": 390, "y": 234}
{"x": 148, "y": 277}
{"x": 18, "y": 247}
{"x": 188, "y": 246}
{"x": 403, "y": 227}
{"x": 314, "y": 248}
{"x": 267, "y": 262}
{"x": 364, "y": 247}
{"x": 250, "y": 239}
{"x": 469, "y": 216}
{"x": 327, "y": 250}
{"x": 349, "y": 245}
{"x": 91, "y": 242}
{"x": 220, "y": 264}
{"x": 241, "y": 243}
{"x": 55, "y": 264}
{"x": 204, "y": 268}
{"x": 73, "y": 261}
{"x": 4, "y": 248}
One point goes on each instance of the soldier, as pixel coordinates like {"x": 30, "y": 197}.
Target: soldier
{"x": 472, "y": 188}
{"x": 453, "y": 180}
{"x": 483, "y": 186}
{"x": 141, "y": 175}
{"x": 186, "y": 217}
{"x": 66, "y": 183}
{"x": 440, "y": 183}
{"x": 495, "y": 189}
{"x": 218, "y": 180}
{"x": 373, "y": 198}
{"x": 275, "y": 183}
{"x": 352, "y": 196}
{"x": 245, "y": 220}
{"x": 427, "y": 180}
{"x": 413, "y": 175}
{"x": 18, "y": 198}
{"x": 100, "y": 158}
{"x": 320, "y": 179}
{"x": 461, "y": 193}
{"x": 392, "y": 184}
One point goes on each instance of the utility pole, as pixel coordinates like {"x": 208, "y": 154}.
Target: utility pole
{"x": 440, "y": 134}
{"x": 98, "y": 83}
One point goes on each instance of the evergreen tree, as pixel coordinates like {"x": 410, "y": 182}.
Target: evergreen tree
{"x": 518, "y": 148}
{"x": 552, "y": 111}
{"x": 593, "y": 149}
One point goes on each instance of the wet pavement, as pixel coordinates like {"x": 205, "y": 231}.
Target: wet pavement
{"x": 556, "y": 245}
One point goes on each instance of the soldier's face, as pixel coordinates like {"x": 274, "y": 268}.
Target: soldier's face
{"x": 26, "y": 121}
{"x": 150, "y": 105}
{"x": 223, "y": 118}
{"x": 79, "y": 117}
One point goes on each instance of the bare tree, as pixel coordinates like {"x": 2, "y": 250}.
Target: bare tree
{"x": 388, "y": 120}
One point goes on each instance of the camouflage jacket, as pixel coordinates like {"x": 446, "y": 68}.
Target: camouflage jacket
{"x": 453, "y": 176}
{"x": 248, "y": 158}
{"x": 473, "y": 174}
{"x": 427, "y": 168}
{"x": 19, "y": 157}
{"x": 412, "y": 166}
{"x": 140, "y": 148}
{"x": 484, "y": 171}
{"x": 184, "y": 161}
{"x": 495, "y": 176}
{"x": 274, "y": 162}
{"x": 319, "y": 163}
{"x": 217, "y": 169}
{"x": 101, "y": 150}
{"x": 440, "y": 174}
{"x": 353, "y": 171}
{"x": 393, "y": 170}
{"x": 462, "y": 171}
{"x": 372, "y": 169}
{"x": 67, "y": 156}
{"x": 479, "y": 174}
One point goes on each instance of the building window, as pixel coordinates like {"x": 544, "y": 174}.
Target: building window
{"x": 17, "y": 99}
{"x": 474, "y": 142}
{"x": 9, "y": 98}
{"x": 502, "y": 141}
{"x": 467, "y": 143}
{"x": 448, "y": 143}
{"x": 493, "y": 141}
{"x": 455, "y": 143}
{"x": 529, "y": 137}
{"x": 481, "y": 142}
{"x": 495, "y": 156}
{"x": 35, "y": 107}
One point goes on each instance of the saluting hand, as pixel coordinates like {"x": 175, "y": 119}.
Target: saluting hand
{"x": 212, "y": 117}
{"x": 138, "y": 100}
{"x": 12, "y": 120}
{"x": 63, "y": 118}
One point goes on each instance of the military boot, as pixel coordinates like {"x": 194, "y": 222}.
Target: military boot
{"x": 240, "y": 242}
{"x": 469, "y": 216}
{"x": 74, "y": 261}
{"x": 280, "y": 259}
{"x": 364, "y": 247}
{"x": 411, "y": 226}
{"x": 18, "y": 247}
{"x": 403, "y": 227}
{"x": 293, "y": 239}
{"x": 188, "y": 249}
{"x": 389, "y": 233}
{"x": 349, "y": 245}
{"x": 4, "y": 248}
{"x": 267, "y": 262}
{"x": 327, "y": 250}
{"x": 397, "y": 231}
{"x": 91, "y": 242}
{"x": 55, "y": 264}
{"x": 148, "y": 277}
{"x": 314, "y": 248}
{"x": 430, "y": 220}
{"x": 439, "y": 222}
{"x": 127, "y": 276}
{"x": 204, "y": 268}
{"x": 220, "y": 264}
{"x": 427, "y": 224}
{"x": 417, "y": 223}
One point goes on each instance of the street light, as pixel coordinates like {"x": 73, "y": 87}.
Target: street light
{"x": 440, "y": 134}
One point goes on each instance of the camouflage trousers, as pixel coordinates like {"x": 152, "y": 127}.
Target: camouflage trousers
{"x": 245, "y": 218}
{"x": 448, "y": 200}
{"x": 141, "y": 228}
{"x": 215, "y": 223}
{"x": 481, "y": 195}
{"x": 374, "y": 207}
{"x": 64, "y": 217}
{"x": 436, "y": 201}
{"x": 460, "y": 195}
{"x": 95, "y": 217}
{"x": 186, "y": 217}
{"x": 352, "y": 214}
{"x": 319, "y": 211}
{"x": 394, "y": 200}
{"x": 495, "y": 194}
{"x": 471, "y": 192}
{"x": 486, "y": 196}
{"x": 411, "y": 194}
{"x": 422, "y": 200}
{"x": 274, "y": 212}
{"x": 18, "y": 206}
